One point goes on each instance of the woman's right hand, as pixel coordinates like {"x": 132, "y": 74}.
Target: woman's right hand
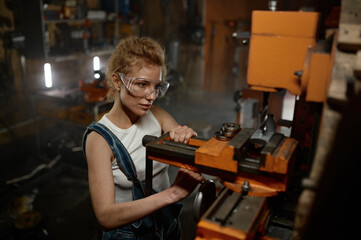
{"x": 185, "y": 182}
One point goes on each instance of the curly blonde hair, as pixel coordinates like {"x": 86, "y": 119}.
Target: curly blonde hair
{"x": 132, "y": 54}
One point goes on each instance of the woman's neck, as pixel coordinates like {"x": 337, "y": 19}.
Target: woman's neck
{"x": 121, "y": 116}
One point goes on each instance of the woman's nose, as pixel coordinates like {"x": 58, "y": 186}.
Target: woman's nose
{"x": 151, "y": 95}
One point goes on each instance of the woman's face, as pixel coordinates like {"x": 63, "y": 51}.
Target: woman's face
{"x": 135, "y": 104}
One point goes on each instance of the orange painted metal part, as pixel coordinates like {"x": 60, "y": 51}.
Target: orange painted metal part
{"x": 208, "y": 230}
{"x": 260, "y": 186}
{"x": 279, "y": 161}
{"x": 278, "y": 48}
{"x": 196, "y": 142}
{"x": 94, "y": 91}
{"x": 212, "y": 153}
{"x": 285, "y": 23}
{"x": 317, "y": 73}
{"x": 216, "y": 154}
{"x": 317, "y": 82}
{"x": 278, "y": 165}
{"x": 175, "y": 163}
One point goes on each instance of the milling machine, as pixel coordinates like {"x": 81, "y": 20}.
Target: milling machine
{"x": 257, "y": 165}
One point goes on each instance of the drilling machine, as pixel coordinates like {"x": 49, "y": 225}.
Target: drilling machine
{"x": 257, "y": 165}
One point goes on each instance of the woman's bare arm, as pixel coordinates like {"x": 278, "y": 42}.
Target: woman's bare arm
{"x": 177, "y": 132}
{"x": 110, "y": 214}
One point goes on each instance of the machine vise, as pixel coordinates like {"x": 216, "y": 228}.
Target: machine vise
{"x": 253, "y": 165}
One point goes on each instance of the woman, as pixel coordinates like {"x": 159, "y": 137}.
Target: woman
{"x": 135, "y": 78}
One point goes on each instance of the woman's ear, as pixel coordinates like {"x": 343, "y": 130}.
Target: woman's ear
{"x": 116, "y": 81}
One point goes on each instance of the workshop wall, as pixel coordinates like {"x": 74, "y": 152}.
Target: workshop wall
{"x": 10, "y": 71}
{"x": 204, "y": 67}
{"x": 162, "y": 20}
{"x": 222, "y": 19}
{"x": 172, "y": 24}
{"x": 10, "y": 78}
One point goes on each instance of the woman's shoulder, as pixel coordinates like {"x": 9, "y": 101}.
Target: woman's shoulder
{"x": 95, "y": 140}
{"x": 159, "y": 113}
{"x": 156, "y": 109}
{"x": 96, "y": 147}
{"x": 165, "y": 120}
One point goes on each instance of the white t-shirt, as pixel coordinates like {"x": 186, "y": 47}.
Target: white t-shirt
{"x": 131, "y": 138}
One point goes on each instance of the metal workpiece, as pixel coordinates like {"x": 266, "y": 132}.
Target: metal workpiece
{"x": 227, "y": 132}
{"x": 231, "y": 129}
{"x": 219, "y": 136}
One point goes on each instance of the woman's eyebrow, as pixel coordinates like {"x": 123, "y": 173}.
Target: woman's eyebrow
{"x": 149, "y": 80}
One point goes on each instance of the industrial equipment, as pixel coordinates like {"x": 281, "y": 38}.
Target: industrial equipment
{"x": 253, "y": 165}
{"x": 257, "y": 166}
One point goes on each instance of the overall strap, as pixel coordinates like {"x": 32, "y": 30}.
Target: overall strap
{"x": 126, "y": 165}
{"x": 120, "y": 152}
{"x": 124, "y": 161}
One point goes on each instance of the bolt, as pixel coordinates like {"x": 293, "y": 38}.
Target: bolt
{"x": 245, "y": 188}
{"x": 298, "y": 73}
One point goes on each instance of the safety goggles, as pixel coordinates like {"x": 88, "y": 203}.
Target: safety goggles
{"x": 142, "y": 87}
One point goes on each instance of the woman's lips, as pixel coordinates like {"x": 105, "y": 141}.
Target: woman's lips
{"x": 145, "y": 106}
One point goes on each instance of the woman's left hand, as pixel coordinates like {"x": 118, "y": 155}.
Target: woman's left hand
{"x": 185, "y": 182}
{"x": 182, "y": 134}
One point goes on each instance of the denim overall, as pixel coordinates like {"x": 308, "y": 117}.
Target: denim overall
{"x": 161, "y": 225}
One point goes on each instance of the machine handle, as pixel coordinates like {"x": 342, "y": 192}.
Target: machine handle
{"x": 147, "y": 139}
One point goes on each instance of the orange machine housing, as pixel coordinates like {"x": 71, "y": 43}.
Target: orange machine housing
{"x": 278, "y": 47}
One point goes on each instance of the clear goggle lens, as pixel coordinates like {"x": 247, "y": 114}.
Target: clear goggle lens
{"x": 142, "y": 87}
